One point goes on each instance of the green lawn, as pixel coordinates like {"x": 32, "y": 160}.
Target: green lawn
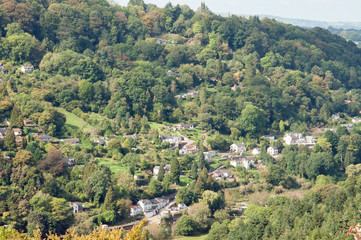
{"x": 75, "y": 122}
{"x": 154, "y": 125}
{"x": 114, "y": 166}
{"x": 212, "y": 89}
{"x": 215, "y": 165}
{"x": 201, "y": 237}
{"x": 183, "y": 180}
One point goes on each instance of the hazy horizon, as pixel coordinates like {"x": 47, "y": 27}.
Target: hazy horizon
{"x": 318, "y": 10}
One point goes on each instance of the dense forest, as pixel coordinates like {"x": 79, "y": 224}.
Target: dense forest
{"x": 129, "y": 73}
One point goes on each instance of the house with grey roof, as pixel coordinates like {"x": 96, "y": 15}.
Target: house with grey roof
{"x": 27, "y": 68}
{"x": 3, "y": 132}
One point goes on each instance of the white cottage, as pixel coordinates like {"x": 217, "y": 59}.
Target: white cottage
{"x": 135, "y": 210}
{"x": 27, "y": 68}
{"x": 238, "y": 147}
{"x": 256, "y": 151}
{"x": 244, "y": 162}
{"x": 292, "y": 138}
{"x": 170, "y": 138}
{"x": 272, "y": 150}
{"x": 208, "y": 156}
{"x": 77, "y": 207}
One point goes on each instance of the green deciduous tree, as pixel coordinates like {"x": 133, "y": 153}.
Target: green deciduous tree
{"x": 219, "y": 230}
{"x": 155, "y": 187}
{"x": 214, "y": 200}
{"x": 200, "y": 213}
{"x": 23, "y": 157}
{"x": 253, "y": 120}
{"x": 185, "y": 226}
{"x": 62, "y": 214}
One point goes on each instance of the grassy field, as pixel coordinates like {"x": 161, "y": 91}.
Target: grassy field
{"x": 201, "y": 237}
{"x": 183, "y": 181}
{"x": 215, "y": 165}
{"x": 75, "y": 122}
{"x": 154, "y": 125}
{"x": 114, "y": 166}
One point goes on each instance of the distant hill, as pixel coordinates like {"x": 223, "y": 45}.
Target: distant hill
{"x": 348, "y": 30}
{"x": 307, "y": 23}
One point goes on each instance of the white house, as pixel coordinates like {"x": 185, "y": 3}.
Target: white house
{"x": 256, "y": 151}
{"x": 356, "y": 120}
{"x": 145, "y": 204}
{"x": 299, "y": 139}
{"x": 100, "y": 141}
{"x": 151, "y": 207}
{"x": 272, "y": 150}
{"x": 170, "y": 138}
{"x": 238, "y": 147}
{"x": 27, "y": 68}
{"x": 160, "y": 202}
{"x": 292, "y": 138}
{"x": 69, "y": 161}
{"x": 77, "y": 207}
{"x": 135, "y": 210}
{"x": 150, "y": 213}
{"x": 336, "y": 116}
{"x": 188, "y": 126}
{"x": 208, "y": 156}
{"x": 243, "y": 161}
{"x": 182, "y": 206}
{"x": 188, "y": 149}
{"x": 222, "y": 173}
{"x": 17, "y": 131}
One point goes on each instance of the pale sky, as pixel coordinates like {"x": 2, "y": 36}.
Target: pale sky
{"x": 321, "y": 10}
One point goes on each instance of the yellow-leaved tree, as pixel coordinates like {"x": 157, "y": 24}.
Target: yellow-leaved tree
{"x": 137, "y": 233}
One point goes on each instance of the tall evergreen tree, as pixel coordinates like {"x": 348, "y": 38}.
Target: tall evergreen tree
{"x": 175, "y": 170}
{"x": 201, "y": 162}
{"x": 194, "y": 173}
{"x": 201, "y": 183}
{"x": 161, "y": 172}
{"x": 16, "y": 119}
{"x": 9, "y": 141}
{"x": 24, "y": 143}
{"x": 109, "y": 201}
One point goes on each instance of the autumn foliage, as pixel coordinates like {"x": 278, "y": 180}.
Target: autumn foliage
{"x": 137, "y": 233}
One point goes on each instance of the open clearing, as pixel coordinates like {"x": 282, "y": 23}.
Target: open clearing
{"x": 75, "y": 122}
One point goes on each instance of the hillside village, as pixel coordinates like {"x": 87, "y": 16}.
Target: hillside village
{"x": 223, "y": 166}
